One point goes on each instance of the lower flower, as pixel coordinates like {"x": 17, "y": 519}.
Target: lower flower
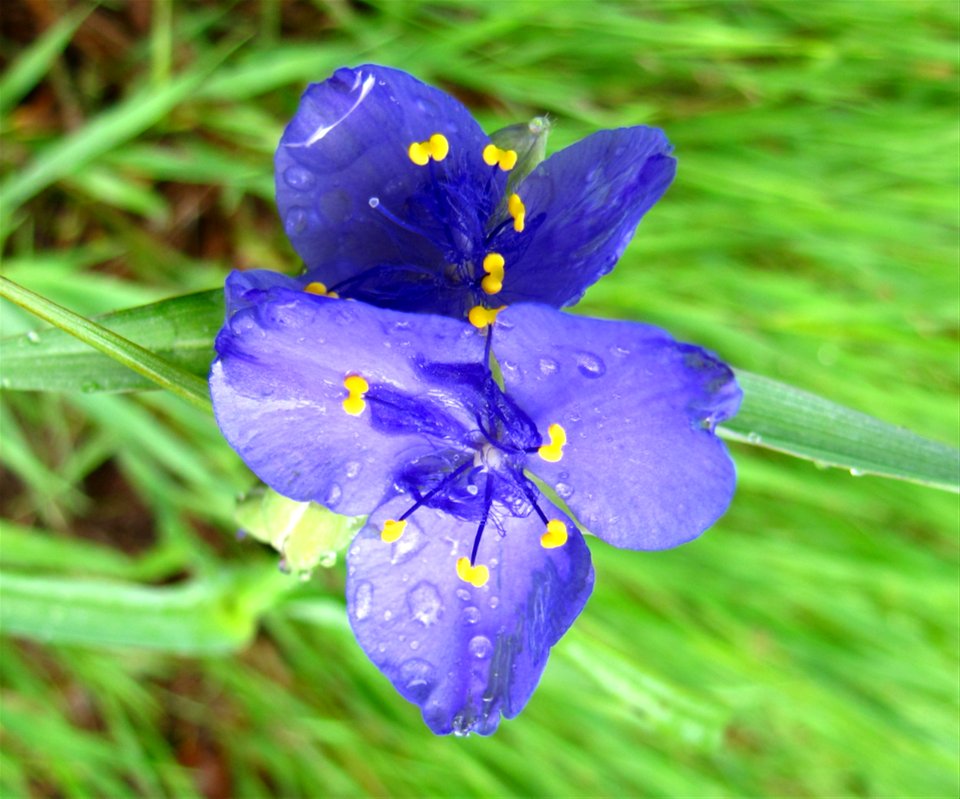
{"x": 466, "y": 573}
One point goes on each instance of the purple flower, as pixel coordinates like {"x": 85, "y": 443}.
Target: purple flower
{"x": 466, "y": 573}
{"x": 392, "y": 194}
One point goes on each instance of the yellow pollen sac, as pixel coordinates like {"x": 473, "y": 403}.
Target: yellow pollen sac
{"x": 436, "y": 147}
{"x": 356, "y": 387}
{"x": 392, "y": 530}
{"x": 556, "y": 535}
{"x": 477, "y": 576}
{"x": 517, "y": 210}
{"x": 320, "y": 289}
{"x": 493, "y": 266}
{"x": 480, "y": 317}
{"x": 553, "y": 451}
{"x": 494, "y": 156}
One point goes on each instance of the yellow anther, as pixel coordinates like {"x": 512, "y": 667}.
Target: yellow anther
{"x": 556, "y": 535}
{"x": 494, "y": 156}
{"x": 517, "y": 210}
{"x": 493, "y": 266}
{"x": 320, "y": 289}
{"x": 553, "y": 451}
{"x": 480, "y": 317}
{"x": 477, "y": 576}
{"x": 436, "y": 147}
{"x": 356, "y": 387}
{"x": 392, "y": 530}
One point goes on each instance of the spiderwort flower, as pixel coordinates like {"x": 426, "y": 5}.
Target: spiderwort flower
{"x": 392, "y": 194}
{"x": 466, "y": 574}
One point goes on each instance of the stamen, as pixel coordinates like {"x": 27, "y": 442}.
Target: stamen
{"x": 480, "y": 317}
{"x": 493, "y": 265}
{"x": 518, "y": 211}
{"x": 356, "y": 387}
{"x": 436, "y": 147}
{"x": 392, "y": 530}
{"x": 494, "y": 156}
{"x": 320, "y": 289}
{"x": 476, "y": 576}
{"x": 553, "y": 451}
{"x": 556, "y": 535}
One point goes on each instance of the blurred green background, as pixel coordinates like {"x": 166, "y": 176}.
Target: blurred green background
{"x": 807, "y": 645}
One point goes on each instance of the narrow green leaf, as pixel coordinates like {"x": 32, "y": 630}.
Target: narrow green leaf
{"x": 201, "y": 617}
{"x": 780, "y": 417}
{"x": 134, "y": 115}
{"x": 156, "y": 368}
{"x": 34, "y": 62}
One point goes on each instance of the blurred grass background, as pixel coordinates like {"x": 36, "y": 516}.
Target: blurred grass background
{"x": 806, "y": 646}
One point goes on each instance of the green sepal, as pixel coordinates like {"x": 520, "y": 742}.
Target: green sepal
{"x": 307, "y": 535}
{"x": 529, "y": 141}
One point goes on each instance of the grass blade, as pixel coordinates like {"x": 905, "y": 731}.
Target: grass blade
{"x": 154, "y": 367}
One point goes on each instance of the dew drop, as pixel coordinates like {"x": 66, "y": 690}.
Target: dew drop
{"x": 754, "y": 438}
{"x": 410, "y": 543}
{"x": 548, "y": 366}
{"x": 424, "y": 603}
{"x": 564, "y": 490}
{"x": 363, "y": 600}
{"x": 299, "y": 178}
{"x": 494, "y": 602}
{"x": 590, "y": 365}
{"x": 33, "y": 337}
{"x": 480, "y": 647}
{"x": 463, "y": 594}
{"x": 856, "y": 473}
{"x": 471, "y": 615}
{"x": 353, "y": 469}
{"x": 295, "y": 221}
{"x": 373, "y": 202}
{"x": 417, "y": 678}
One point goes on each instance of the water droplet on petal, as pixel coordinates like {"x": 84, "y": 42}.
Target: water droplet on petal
{"x": 494, "y": 602}
{"x": 548, "y": 366}
{"x": 353, "y": 469}
{"x": 564, "y": 490}
{"x": 480, "y": 647}
{"x": 295, "y": 221}
{"x": 590, "y": 365}
{"x": 416, "y": 679}
{"x": 409, "y": 544}
{"x": 373, "y": 202}
{"x": 424, "y": 603}
{"x": 471, "y": 615}
{"x": 299, "y": 178}
{"x": 333, "y": 494}
{"x": 387, "y": 615}
{"x": 463, "y": 593}
{"x": 363, "y": 600}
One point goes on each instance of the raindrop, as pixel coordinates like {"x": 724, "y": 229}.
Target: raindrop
{"x": 417, "y": 678}
{"x": 480, "y": 647}
{"x": 856, "y": 473}
{"x": 463, "y": 593}
{"x": 590, "y": 365}
{"x": 353, "y": 469}
{"x": 473, "y": 490}
{"x": 299, "y": 178}
{"x": 373, "y": 202}
{"x": 424, "y": 603}
{"x": 548, "y": 366}
{"x": 471, "y": 615}
{"x": 33, "y": 337}
{"x": 296, "y": 221}
{"x": 494, "y": 601}
{"x": 410, "y": 543}
{"x": 619, "y": 352}
{"x": 564, "y": 490}
{"x": 754, "y": 438}
{"x": 363, "y": 600}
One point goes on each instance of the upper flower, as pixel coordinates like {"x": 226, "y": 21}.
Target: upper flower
{"x": 466, "y": 574}
{"x": 392, "y": 194}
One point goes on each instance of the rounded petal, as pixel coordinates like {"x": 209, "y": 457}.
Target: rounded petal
{"x": 464, "y": 654}
{"x": 583, "y": 205}
{"x": 350, "y": 197}
{"x": 278, "y": 390}
{"x": 642, "y": 467}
